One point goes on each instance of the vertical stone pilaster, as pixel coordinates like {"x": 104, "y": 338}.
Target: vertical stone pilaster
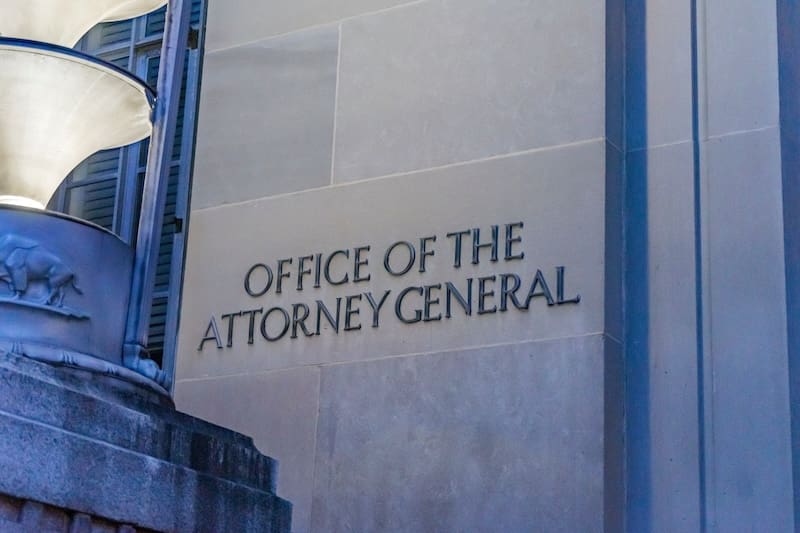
{"x": 788, "y": 18}
{"x": 707, "y": 444}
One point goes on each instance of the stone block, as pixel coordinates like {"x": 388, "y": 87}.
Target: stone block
{"x": 614, "y": 242}
{"x": 474, "y": 79}
{"x": 235, "y": 22}
{"x": 667, "y": 71}
{"x": 266, "y": 118}
{"x": 672, "y": 335}
{"x": 557, "y": 193}
{"x": 493, "y": 439}
{"x": 741, "y": 58}
{"x": 141, "y": 464}
{"x": 751, "y": 463}
{"x": 613, "y": 437}
{"x": 279, "y": 411}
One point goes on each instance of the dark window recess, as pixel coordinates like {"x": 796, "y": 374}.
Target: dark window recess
{"x": 106, "y": 188}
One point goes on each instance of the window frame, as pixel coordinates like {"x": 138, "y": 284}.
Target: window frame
{"x": 140, "y": 49}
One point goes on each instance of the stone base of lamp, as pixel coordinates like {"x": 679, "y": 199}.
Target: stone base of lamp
{"x": 84, "y": 452}
{"x": 64, "y": 291}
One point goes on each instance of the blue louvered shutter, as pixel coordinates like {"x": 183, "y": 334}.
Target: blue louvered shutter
{"x": 106, "y": 188}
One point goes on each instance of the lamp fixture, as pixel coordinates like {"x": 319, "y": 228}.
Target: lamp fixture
{"x": 58, "y": 107}
{"x": 64, "y": 23}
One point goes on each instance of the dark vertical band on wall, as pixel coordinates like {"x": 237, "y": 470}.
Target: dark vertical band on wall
{"x": 789, "y": 74}
{"x": 636, "y": 285}
{"x": 614, "y": 368}
{"x": 627, "y": 245}
{"x": 698, "y": 258}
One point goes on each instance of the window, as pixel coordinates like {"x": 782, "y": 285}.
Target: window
{"x": 106, "y": 188}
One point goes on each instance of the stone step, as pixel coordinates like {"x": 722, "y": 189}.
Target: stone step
{"x": 93, "y": 445}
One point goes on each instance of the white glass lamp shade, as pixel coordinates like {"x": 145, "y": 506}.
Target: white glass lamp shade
{"x": 128, "y": 9}
{"x": 57, "y": 107}
{"x": 64, "y": 22}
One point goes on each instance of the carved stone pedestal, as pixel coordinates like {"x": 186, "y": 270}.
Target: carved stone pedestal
{"x": 83, "y": 452}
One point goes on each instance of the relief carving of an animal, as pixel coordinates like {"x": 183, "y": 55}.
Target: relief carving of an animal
{"x": 23, "y": 261}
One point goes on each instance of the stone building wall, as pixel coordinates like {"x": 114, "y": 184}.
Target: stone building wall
{"x": 639, "y": 145}
{"x": 336, "y": 126}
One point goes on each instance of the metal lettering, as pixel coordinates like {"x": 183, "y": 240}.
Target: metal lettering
{"x": 212, "y": 327}
{"x": 483, "y": 293}
{"x": 298, "y": 320}
{"x": 230, "y": 317}
{"x": 457, "y": 236}
{"x": 424, "y": 252}
{"x": 248, "y": 287}
{"x": 287, "y": 322}
{"x": 282, "y": 274}
{"x": 511, "y": 240}
{"x": 560, "y": 289}
{"x": 358, "y": 263}
{"x": 412, "y": 256}
{"x": 507, "y": 292}
{"x": 539, "y": 281}
{"x": 350, "y": 312}
{"x": 477, "y": 246}
{"x": 466, "y": 304}
{"x": 302, "y": 271}
{"x": 376, "y": 307}
{"x": 323, "y": 310}
{"x": 430, "y": 302}
{"x": 328, "y": 261}
{"x": 317, "y": 270}
{"x": 398, "y": 306}
{"x": 251, "y": 329}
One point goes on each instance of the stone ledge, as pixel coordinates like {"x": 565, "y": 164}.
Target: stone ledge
{"x": 144, "y": 465}
{"x": 48, "y": 396}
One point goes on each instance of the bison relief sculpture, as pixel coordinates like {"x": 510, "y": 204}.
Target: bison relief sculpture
{"x": 36, "y": 277}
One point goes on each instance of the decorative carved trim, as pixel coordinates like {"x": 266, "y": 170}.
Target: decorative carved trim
{"x": 61, "y": 357}
{"x": 27, "y": 268}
